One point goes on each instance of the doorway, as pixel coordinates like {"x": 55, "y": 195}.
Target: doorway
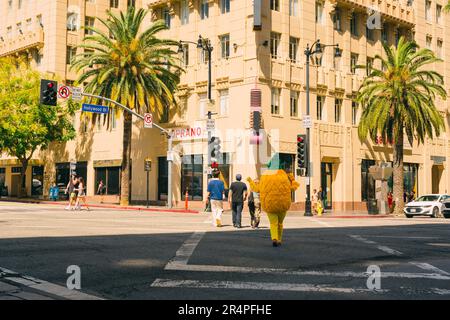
{"x": 163, "y": 173}
{"x": 326, "y": 177}
{"x": 436, "y": 175}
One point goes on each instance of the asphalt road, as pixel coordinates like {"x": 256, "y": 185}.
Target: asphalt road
{"x": 132, "y": 255}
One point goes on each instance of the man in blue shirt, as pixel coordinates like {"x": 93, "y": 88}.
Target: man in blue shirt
{"x": 216, "y": 189}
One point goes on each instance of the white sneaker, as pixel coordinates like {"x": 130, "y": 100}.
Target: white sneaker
{"x": 67, "y": 208}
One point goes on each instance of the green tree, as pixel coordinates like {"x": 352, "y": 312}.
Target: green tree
{"x": 399, "y": 99}
{"x": 131, "y": 66}
{"x": 447, "y": 7}
{"x": 25, "y": 124}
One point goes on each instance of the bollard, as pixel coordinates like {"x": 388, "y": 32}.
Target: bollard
{"x": 186, "y": 199}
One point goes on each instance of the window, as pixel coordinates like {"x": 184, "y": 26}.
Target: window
{"x": 428, "y": 42}
{"x": 293, "y": 48}
{"x": 275, "y": 5}
{"x": 293, "y": 8}
{"x": 89, "y": 22}
{"x": 184, "y": 12}
{"x": 204, "y": 9}
{"x": 367, "y": 182}
{"x": 203, "y": 101}
{"x": 370, "y": 34}
{"x": 224, "y": 102}
{"x": 185, "y": 58}
{"x": 192, "y": 176}
{"x": 225, "y": 46}
{"x": 369, "y": 65}
{"x": 337, "y": 110}
{"x": 275, "y": 104}
{"x": 294, "y": 104}
{"x": 274, "y": 44}
{"x": 319, "y": 107}
{"x": 72, "y": 21}
{"x": 428, "y": 10}
{"x": 439, "y": 49}
{"x": 113, "y": 3}
{"x": 438, "y": 14}
{"x": 384, "y": 33}
{"x": 354, "y": 24}
{"x": 354, "y": 112}
{"x": 131, "y": 3}
{"x": 337, "y": 61}
{"x": 337, "y": 19}
{"x": 166, "y": 17}
{"x": 111, "y": 180}
{"x": 224, "y": 6}
{"x": 70, "y": 54}
{"x": 319, "y": 13}
{"x": 353, "y": 62}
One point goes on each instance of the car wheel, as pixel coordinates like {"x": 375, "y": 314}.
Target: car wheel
{"x": 408, "y": 215}
{"x": 435, "y": 213}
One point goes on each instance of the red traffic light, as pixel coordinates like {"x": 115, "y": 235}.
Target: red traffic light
{"x": 214, "y": 165}
{"x": 50, "y": 85}
{"x": 300, "y": 139}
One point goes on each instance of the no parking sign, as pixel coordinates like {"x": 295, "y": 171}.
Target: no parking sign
{"x": 148, "y": 120}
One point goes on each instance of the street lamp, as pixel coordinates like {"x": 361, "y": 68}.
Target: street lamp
{"x": 316, "y": 49}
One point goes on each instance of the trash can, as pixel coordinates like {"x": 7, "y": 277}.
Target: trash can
{"x": 372, "y": 206}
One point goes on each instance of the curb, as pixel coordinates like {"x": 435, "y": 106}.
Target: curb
{"x": 128, "y": 208}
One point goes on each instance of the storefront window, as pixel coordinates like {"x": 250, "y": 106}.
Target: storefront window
{"x": 63, "y": 173}
{"x": 37, "y": 182}
{"x": 410, "y": 180}
{"x": 111, "y": 179}
{"x": 367, "y": 182}
{"x": 3, "y": 182}
{"x": 192, "y": 177}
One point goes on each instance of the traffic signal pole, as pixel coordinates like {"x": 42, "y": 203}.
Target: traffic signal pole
{"x": 166, "y": 132}
{"x": 308, "y": 212}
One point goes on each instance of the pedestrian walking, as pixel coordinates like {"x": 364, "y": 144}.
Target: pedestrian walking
{"x": 254, "y": 206}
{"x": 236, "y": 197}
{"x": 216, "y": 191}
{"x": 81, "y": 194}
{"x": 70, "y": 190}
{"x": 314, "y": 201}
{"x": 321, "y": 200}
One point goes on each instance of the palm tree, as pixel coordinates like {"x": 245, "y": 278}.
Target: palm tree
{"x": 399, "y": 99}
{"x": 136, "y": 68}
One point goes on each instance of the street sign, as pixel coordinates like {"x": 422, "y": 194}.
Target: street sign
{"x": 148, "y": 120}
{"x": 148, "y": 165}
{"x": 170, "y": 156}
{"x": 210, "y": 125}
{"x": 307, "y": 122}
{"x": 63, "y": 92}
{"x": 77, "y": 93}
{"x": 95, "y": 108}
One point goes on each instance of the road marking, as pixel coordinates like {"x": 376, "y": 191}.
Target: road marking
{"x": 440, "y": 291}
{"x": 267, "y": 286}
{"x": 439, "y": 244}
{"x": 380, "y": 247}
{"x": 186, "y": 250}
{"x": 45, "y": 286}
{"x": 429, "y": 267}
{"x": 322, "y": 223}
{"x": 345, "y": 274}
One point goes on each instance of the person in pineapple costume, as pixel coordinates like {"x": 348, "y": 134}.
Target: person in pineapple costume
{"x": 275, "y": 187}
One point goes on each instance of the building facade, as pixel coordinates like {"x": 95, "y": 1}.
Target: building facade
{"x": 252, "y": 49}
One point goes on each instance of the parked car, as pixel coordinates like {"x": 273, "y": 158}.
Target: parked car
{"x": 427, "y": 205}
{"x": 446, "y": 209}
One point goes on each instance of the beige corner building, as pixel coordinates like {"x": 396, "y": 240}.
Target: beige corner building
{"x": 252, "y": 48}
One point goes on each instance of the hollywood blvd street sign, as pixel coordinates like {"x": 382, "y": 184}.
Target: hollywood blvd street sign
{"x": 95, "y": 108}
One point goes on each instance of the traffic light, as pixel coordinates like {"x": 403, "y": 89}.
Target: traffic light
{"x": 214, "y": 144}
{"x": 302, "y": 152}
{"x": 255, "y": 120}
{"x": 49, "y": 92}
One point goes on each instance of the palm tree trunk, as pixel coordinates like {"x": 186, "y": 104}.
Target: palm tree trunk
{"x": 398, "y": 174}
{"x": 126, "y": 159}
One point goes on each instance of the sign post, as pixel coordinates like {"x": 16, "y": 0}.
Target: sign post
{"x": 148, "y": 168}
{"x": 148, "y": 120}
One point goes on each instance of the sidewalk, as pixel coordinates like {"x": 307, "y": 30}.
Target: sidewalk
{"x": 102, "y": 205}
{"x": 15, "y": 292}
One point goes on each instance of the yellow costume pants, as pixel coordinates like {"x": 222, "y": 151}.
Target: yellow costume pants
{"x": 276, "y": 225}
